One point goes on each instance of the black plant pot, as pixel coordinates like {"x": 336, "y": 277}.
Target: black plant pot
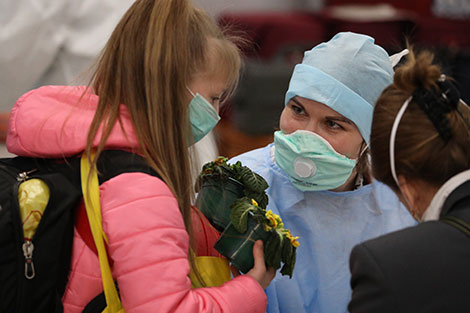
{"x": 214, "y": 200}
{"x": 238, "y": 247}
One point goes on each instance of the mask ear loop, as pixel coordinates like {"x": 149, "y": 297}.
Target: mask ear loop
{"x": 395, "y": 59}
{"x": 190, "y": 91}
{"x": 363, "y": 150}
{"x": 360, "y": 177}
{"x": 393, "y": 136}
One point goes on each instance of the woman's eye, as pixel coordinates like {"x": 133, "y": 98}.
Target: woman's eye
{"x": 297, "y": 109}
{"x": 333, "y": 125}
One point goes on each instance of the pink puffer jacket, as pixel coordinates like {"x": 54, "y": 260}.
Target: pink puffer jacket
{"x": 147, "y": 238}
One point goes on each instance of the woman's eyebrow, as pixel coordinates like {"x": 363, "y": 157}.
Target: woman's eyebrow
{"x": 339, "y": 119}
{"x": 297, "y": 102}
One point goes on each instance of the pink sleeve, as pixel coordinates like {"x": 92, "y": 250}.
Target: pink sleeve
{"x": 149, "y": 245}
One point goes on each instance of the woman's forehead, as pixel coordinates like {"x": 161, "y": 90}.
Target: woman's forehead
{"x": 318, "y": 107}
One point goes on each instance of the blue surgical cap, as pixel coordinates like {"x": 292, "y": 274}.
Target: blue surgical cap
{"x": 347, "y": 73}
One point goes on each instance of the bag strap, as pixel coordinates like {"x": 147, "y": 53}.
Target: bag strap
{"x": 90, "y": 188}
{"x": 98, "y": 304}
{"x": 110, "y": 164}
{"x": 457, "y": 223}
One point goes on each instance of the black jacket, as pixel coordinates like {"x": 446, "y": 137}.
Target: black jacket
{"x": 425, "y": 268}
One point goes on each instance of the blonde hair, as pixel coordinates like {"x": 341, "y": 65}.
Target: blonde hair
{"x": 420, "y": 151}
{"x": 146, "y": 65}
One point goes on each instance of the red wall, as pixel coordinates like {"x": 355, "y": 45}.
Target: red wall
{"x": 421, "y": 7}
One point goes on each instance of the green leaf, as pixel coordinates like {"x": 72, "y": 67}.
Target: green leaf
{"x": 252, "y": 181}
{"x": 261, "y": 198}
{"x": 227, "y": 170}
{"x": 239, "y": 213}
{"x": 208, "y": 167}
{"x": 272, "y": 251}
{"x": 287, "y": 250}
{"x": 260, "y": 216}
{"x": 277, "y": 258}
{"x": 288, "y": 268}
{"x": 236, "y": 168}
{"x": 268, "y": 247}
{"x": 218, "y": 169}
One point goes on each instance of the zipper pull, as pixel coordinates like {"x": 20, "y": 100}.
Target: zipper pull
{"x": 24, "y": 175}
{"x": 28, "y": 248}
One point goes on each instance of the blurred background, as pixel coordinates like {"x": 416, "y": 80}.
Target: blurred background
{"x": 55, "y": 42}
{"x": 280, "y": 31}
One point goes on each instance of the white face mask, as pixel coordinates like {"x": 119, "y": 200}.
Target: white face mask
{"x": 310, "y": 161}
{"x": 202, "y": 115}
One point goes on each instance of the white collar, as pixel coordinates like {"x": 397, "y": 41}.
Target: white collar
{"x": 434, "y": 209}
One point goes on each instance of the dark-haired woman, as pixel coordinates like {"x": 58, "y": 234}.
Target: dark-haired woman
{"x": 420, "y": 147}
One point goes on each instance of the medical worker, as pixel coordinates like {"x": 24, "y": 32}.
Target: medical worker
{"x": 318, "y": 174}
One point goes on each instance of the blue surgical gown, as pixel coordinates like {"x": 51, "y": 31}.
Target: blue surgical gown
{"x": 329, "y": 224}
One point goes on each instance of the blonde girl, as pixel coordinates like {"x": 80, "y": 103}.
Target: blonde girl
{"x": 155, "y": 91}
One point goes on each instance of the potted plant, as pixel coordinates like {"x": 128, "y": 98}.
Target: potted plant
{"x": 251, "y": 222}
{"x": 219, "y": 184}
{"x": 233, "y": 199}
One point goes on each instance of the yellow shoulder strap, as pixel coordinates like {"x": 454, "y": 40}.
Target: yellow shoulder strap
{"x": 91, "y": 196}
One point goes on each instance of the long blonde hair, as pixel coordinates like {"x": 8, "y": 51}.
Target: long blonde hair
{"x": 146, "y": 65}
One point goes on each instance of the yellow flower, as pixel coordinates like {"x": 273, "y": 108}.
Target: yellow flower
{"x": 220, "y": 160}
{"x": 273, "y": 219}
{"x": 280, "y": 224}
{"x": 275, "y": 222}
{"x": 293, "y": 240}
{"x": 254, "y": 202}
{"x": 272, "y": 222}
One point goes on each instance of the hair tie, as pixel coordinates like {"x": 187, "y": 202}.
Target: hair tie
{"x": 438, "y": 103}
{"x": 449, "y": 91}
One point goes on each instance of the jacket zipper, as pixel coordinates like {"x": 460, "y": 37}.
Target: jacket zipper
{"x": 19, "y": 234}
{"x": 28, "y": 246}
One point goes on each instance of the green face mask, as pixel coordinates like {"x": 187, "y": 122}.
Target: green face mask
{"x": 202, "y": 115}
{"x": 310, "y": 161}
